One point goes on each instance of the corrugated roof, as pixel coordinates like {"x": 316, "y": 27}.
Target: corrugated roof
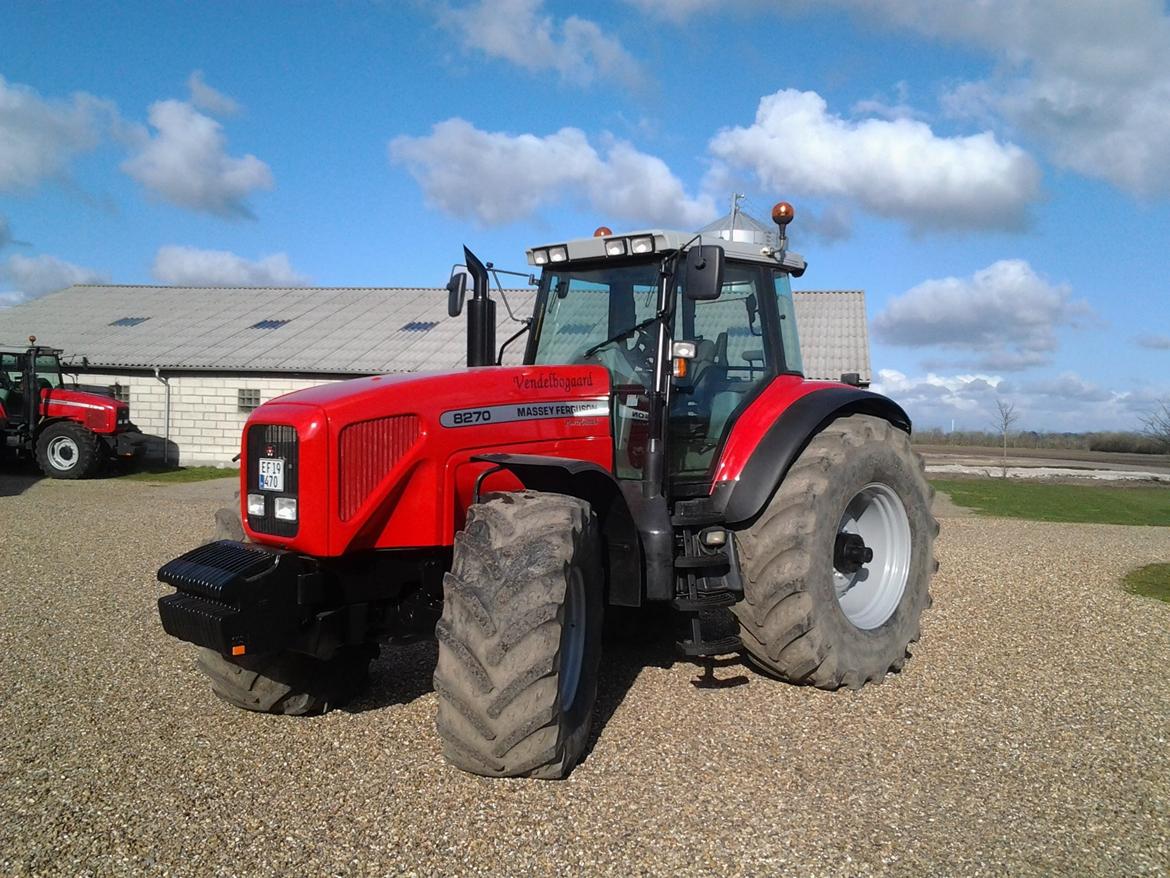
{"x": 334, "y": 330}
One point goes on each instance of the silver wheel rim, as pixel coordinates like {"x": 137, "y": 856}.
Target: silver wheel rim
{"x": 869, "y": 595}
{"x": 572, "y": 639}
{"x": 63, "y": 453}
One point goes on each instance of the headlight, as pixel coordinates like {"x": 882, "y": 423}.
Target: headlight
{"x": 285, "y": 508}
{"x": 642, "y": 245}
{"x": 256, "y": 504}
{"x": 540, "y": 257}
{"x": 558, "y": 254}
{"x": 615, "y": 247}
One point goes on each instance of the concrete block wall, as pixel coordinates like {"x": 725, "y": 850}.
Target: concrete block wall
{"x": 206, "y": 421}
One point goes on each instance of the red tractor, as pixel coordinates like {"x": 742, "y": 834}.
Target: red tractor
{"x": 72, "y": 434}
{"x": 659, "y": 445}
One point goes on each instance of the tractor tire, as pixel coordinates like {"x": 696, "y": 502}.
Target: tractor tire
{"x": 815, "y": 613}
{"x": 287, "y": 682}
{"x": 520, "y": 637}
{"x": 66, "y": 450}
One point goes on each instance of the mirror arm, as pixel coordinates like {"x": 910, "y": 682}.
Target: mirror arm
{"x": 527, "y": 321}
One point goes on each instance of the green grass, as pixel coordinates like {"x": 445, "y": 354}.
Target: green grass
{"x": 1095, "y": 504}
{"x": 174, "y": 475}
{"x": 1153, "y": 581}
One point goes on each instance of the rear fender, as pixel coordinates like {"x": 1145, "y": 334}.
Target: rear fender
{"x": 593, "y": 483}
{"x": 742, "y": 499}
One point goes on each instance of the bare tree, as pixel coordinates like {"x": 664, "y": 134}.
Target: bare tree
{"x": 1003, "y": 425}
{"x": 1156, "y": 425}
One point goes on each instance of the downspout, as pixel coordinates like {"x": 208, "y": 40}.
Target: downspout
{"x": 166, "y": 413}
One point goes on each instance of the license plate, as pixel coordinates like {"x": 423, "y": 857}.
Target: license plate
{"x": 271, "y": 472}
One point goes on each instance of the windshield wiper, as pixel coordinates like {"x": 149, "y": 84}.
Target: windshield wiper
{"x": 625, "y": 333}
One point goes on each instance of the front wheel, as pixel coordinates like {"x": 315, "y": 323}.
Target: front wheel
{"x": 837, "y": 568}
{"x": 66, "y": 450}
{"x": 520, "y": 637}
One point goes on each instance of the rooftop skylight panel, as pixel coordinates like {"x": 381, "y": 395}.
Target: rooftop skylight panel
{"x": 268, "y": 324}
{"x": 129, "y": 321}
{"x": 420, "y": 326}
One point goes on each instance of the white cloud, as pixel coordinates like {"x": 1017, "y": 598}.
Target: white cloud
{"x": 680, "y": 11}
{"x": 499, "y": 178}
{"x": 1088, "y": 80}
{"x": 5, "y": 232}
{"x": 39, "y": 137}
{"x": 206, "y": 98}
{"x": 27, "y": 277}
{"x": 185, "y": 163}
{"x": 192, "y": 267}
{"x": 1065, "y": 402}
{"x": 1003, "y": 316}
{"x": 517, "y": 31}
{"x": 895, "y": 168}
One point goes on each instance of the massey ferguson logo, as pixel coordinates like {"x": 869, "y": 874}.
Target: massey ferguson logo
{"x": 270, "y": 450}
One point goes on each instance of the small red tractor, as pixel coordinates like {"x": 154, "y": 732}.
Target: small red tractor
{"x": 71, "y": 433}
{"x": 659, "y": 445}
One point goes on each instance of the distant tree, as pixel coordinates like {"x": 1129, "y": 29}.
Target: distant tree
{"x": 1156, "y": 425}
{"x": 1003, "y": 424}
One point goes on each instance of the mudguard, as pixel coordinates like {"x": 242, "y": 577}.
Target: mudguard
{"x": 628, "y": 537}
{"x": 742, "y": 499}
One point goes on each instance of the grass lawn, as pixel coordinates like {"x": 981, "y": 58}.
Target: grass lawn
{"x": 1153, "y": 581}
{"x": 1097, "y": 504}
{"x": 183, "y": 474}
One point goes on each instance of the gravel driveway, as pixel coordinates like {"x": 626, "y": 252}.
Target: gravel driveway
{"x": 1027, "y": 736}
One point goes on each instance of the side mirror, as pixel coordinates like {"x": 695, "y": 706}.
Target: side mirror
{"x": 456, "y": 293}
{"x": 703, "y": 280}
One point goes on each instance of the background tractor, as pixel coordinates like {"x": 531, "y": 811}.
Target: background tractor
{"x": 72, "y": 434}
{"x": 659, "y": 445}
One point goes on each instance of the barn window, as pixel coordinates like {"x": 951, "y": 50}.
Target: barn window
{"x": 248, "y": 399}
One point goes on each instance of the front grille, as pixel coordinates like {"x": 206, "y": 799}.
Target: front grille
{"x": 276, "y": 441}
{"x": 369, "y": 450}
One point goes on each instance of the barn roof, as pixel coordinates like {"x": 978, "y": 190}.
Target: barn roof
{"x": 334, "y": 330}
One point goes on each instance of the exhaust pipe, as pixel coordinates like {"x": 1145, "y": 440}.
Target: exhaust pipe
{"x": 481, "y": 316}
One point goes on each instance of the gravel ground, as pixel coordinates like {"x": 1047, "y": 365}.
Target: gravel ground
{"x": 1027, "y": 736}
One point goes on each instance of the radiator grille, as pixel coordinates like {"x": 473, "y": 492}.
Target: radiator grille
{"x": 281, "y": 441}
{"x": 369, "y": 450}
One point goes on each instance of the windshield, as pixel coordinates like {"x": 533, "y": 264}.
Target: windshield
{"x": 584, "y": 308}
{"x": 48, "y": 371}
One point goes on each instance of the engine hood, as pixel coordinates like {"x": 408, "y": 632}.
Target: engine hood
{"x": 385, "y": 461}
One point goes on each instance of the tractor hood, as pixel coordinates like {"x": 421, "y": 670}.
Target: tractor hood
{"x": 101, "y": 414}
{"x": 385, "y": 462}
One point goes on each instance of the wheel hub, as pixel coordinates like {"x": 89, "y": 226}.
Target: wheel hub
{"x": 871, "y": 556}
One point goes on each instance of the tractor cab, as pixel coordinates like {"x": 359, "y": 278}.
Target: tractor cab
{"x": 24, "y": 375}
{"x": 690, "y": 327}
{"x": 598, "y": 302}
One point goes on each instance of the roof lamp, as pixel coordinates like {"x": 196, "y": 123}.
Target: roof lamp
{"x": 615, "y": 247}
{"x": 642, "y": 245}
{"x": 602, "y": 231}
{"x": 558, "y": 254}
{"x": 540, "y": 257}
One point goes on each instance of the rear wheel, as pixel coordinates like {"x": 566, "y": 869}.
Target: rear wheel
{"x": 66, "y": 450}
{"x": 520, "y": 637}
{"x": 288, "y": 682}
{"x": 837, "y": 568}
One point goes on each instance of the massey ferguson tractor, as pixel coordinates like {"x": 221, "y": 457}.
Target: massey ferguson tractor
{"x": 71, "y": 434}
{"x": 659, "y": 445}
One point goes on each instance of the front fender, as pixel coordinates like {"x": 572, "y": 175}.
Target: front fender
{"x": 630, "y": 534}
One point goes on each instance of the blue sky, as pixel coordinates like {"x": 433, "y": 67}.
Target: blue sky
{"x": 994, "y": 175}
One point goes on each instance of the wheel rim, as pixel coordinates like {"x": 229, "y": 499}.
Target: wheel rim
{"x": 869, "y": 594}
{"x": 572, "y": 639}
{"x": 63, "y": 453}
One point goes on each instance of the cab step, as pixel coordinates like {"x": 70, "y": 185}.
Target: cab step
{"x": 722, "y": 646}
{"x": 705, "y": 600}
